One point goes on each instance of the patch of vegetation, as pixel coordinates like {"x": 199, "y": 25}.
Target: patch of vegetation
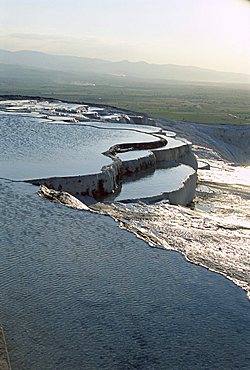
{"x": 202, "y": 103}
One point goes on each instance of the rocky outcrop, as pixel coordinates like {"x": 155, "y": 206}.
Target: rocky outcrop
{"x": 61, "y": 197}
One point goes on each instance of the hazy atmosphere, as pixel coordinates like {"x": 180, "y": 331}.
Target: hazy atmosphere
{"x": 124, "y": 184}
{"x": 209, "y": 34}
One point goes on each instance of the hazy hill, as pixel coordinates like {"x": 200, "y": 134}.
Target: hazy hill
{"x": 41, "y": 76}
{"x": 84, "y": 66}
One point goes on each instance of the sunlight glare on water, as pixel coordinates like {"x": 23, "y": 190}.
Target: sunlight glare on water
{"x": 216, "y": 234}
{"x": 242, "y": 175}
{"x": 224, "y": 173}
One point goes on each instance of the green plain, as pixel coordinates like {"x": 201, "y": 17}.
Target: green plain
{"x": 202, "y": 103}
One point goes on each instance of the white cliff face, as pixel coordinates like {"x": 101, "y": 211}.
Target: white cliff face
{"x": 109, "y": 180}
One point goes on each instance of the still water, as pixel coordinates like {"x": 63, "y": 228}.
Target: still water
{"x": 77, "y": 292}
{"x": 33, "y": 148}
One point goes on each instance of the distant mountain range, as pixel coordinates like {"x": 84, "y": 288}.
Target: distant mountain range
{"x": 86, "y": 66}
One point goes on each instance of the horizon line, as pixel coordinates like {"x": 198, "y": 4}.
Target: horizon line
{"x": 126, "y": 60}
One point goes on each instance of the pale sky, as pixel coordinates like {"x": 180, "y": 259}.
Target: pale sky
{"x": 206, "y": 33}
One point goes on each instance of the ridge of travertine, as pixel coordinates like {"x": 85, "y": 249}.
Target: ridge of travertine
{"x": 163, "y": 148}
{"x": 4, "y": 356}
{"x": 109, "y": 179}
